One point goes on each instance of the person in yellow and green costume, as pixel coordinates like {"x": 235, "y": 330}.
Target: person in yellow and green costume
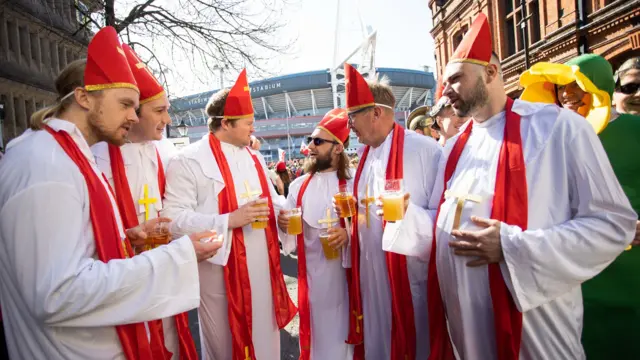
{"x": 585, "y": 85}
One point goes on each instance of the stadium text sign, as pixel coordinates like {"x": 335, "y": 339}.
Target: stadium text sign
{"x": 267, "y": 86}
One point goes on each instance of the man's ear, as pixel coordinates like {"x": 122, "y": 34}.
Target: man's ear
{"x": 492, "y": 71}
{"x": 81, "y": 96}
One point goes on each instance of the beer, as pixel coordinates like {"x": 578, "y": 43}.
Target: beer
{"x": 155, "y": 239}
{"x": 393, "y": 206}
{"x": 329, "y": 252}
{"x": 260, "y": 222}
{"x": 346, "y": 203}
{"x": 295, "y": 222}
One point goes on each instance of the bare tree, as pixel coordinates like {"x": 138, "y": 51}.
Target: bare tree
{"x": 206, "y": 34}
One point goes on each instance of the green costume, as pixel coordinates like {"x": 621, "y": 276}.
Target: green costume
{"x": 611, "y": 299}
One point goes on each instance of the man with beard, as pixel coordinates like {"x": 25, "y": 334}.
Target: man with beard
{"x": 70, "y": 288}
{"x": 388, "y": 290}
{"x": 322, "y": 283}
{"x": 220, "y": 183}
{"x": 135, "y": 172}
{"x": 448, "y": 123}
{"x": 528, "y": 209}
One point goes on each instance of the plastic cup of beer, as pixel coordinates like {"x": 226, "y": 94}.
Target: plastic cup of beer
{"x": 160, "y": 235}
{"x": 345, "y": 201}
{"x": 261, "y": 222}
{"x": 392, "y": 194}
{"x": 329, "y": 252}
{"x": 295, "y": 221}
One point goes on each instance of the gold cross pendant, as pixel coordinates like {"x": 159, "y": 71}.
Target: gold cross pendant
{"x": 146, "y": 201}
{"x": 249, "y": 193}
{"x": 358, "y": 320}
{"x": 366, "y": 202}
{"x": 328, "y": 220}
{"x": 246, "y": 353}
{"x": 460, "y": 203}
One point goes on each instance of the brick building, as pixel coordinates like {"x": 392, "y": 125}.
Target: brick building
{"x": 38, "y": 38}
{"x": 556, "y": 30}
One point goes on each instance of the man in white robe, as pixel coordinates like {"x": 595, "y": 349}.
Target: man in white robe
{"x": 198, "y": 178}
{"x": 371, "y": 117}
{"x": 59, "y": 300}
{"x": 138, "y": 170}
{"x": 324, "y": 318}
{"x": 577, "y": 221}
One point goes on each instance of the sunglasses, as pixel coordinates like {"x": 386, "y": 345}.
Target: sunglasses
{"x": 628, "y": 89}
{"x": 317, "y": 141}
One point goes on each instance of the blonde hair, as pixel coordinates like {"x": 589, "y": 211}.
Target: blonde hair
{"x": 382, "y": 92}
{"x": 71, "y": 77}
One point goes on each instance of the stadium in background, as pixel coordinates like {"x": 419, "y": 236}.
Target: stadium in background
{"x": 287, "y": 108}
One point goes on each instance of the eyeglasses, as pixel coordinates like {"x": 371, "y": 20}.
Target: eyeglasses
{"x": 318, "y": 141}
{"x": 628, "y": 89}
{"x": 353, "y": 114}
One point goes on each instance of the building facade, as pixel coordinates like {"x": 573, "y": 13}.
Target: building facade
{"x": 38, "y": 38}
{"x": 555, "y": 31}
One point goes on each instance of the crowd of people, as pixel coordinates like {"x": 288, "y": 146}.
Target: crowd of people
{"x": 488, "y": 228}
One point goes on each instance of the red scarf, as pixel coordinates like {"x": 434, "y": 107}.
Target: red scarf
{"x": 133, "y": 337}
{"x": 236, "y": 273}
{"x": 510, "y": 205}
{"x": 403, "y": 331}
{"x": 127, "y": 208}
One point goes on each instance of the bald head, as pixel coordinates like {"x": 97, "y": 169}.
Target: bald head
{"x": 472, "y": 88}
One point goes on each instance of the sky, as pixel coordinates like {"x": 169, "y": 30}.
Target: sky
{"x": 403, "y": 38}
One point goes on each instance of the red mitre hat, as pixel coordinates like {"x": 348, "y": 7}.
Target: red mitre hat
{"x": 238, "y": 104}
{"x": 107, "y": 66}
{"x": 150, "y": 88}
{"x": 335, "y": 123}
{"x": 357, "y": 90}
{"x": 475, "y": 46}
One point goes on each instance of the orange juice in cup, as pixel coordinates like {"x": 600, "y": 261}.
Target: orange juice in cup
{"x": 329, "y": 252}
{"x": 345, "y": 202}
{"x": 392, "y": 194}
{"x": 295, "y": 221}
{"x": 261, "y": 222}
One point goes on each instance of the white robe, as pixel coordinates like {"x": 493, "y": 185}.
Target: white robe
{"x": 191, "y": 200}
{"x": 141, "y": 166}
{"x": 579, "y": 220}
{"x": 328, "y": 291}
{"x": 421, "y": 157}
{"x": 58, "y": 300}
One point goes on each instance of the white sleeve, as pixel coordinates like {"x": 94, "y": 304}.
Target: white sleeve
{"x": 543, "y": 264}
{"x": 180, "y": 203}
{"x": 289, "y": 242}
{"x": 413, "y": 235}
{"x": 62, "y": 285}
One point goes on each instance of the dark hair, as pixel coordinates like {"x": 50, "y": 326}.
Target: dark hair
{"x": 284, "y": 176}
{"x": 342, "y": 167}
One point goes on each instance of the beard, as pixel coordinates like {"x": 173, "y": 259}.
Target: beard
{"x": 318, "y": 163}
{"x": 479, "y": 97}
{"x": 100, "y": 129}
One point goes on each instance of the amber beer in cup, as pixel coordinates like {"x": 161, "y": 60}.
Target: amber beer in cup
{"x": 329, "y": 252}
{"x": 295, "y": 221}
{"x": 261, "y": 222}
{"x": 160, "y": 235}
{"x": 345, "y": 202}
{"x": 392, "y": 194}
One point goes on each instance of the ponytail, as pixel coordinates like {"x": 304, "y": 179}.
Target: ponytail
{"x": 38, "y": 117}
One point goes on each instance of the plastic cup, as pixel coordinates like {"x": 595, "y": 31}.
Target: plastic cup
{"x": 329, "y": 252}
{"x": 392, "y": 195}
{"x": 345, "y": 202}
{"x": 295, "y": 221}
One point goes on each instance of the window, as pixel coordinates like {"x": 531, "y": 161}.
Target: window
{"x": 34, "y": 46}
{"x": 513, "y": 30}
{"x": 25, "y": 48}
{"x": 13, "y": 36}
{"x": 458, "y": 36}
{"x": 55, "y": 63}
{"x": 61, "y": 57}
{"x": 45, "y": 53}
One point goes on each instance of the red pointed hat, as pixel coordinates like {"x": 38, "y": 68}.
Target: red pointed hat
{"x": 107, "y": 66}
{"x": 238, "y": 104}
{"x": 476, "y": 45}
{"x": 357, "y": 90}
{"x": 150, "y": 88}
{"x": 335, "y": 123}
